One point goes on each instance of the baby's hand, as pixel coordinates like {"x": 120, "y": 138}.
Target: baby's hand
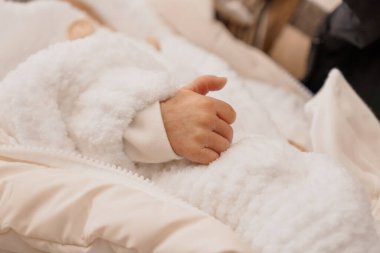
{"x": 197, "y": 126}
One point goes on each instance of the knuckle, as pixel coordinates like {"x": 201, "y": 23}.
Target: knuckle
{"x": 207, "y": 103}
{"x": 209, "y": 122}
{"x": 200, "y": 137}
{"x": 209, "y": 157}
{"x": 231, "y": 113}
{"x": 226, "y": 144}
{"x": 205, "y": 119}
{"x": 204, "y": 155}
{"x": 230, "y": 133}
{"x": 213, "y": 157}
{"x": 193, "y": 154}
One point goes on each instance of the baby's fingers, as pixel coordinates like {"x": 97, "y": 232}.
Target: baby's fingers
{"x": 223, "y": 129}
{"x": 206, "y": 156}
{"x": 224, "y": 111}
{"x": 217, "y": 143}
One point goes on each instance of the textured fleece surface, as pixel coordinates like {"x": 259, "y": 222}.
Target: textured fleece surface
{"x": 81, "y": 95}
{"x": 279, "y": 199}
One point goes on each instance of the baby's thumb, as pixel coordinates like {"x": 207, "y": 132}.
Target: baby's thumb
{"x": 202, "y": 85}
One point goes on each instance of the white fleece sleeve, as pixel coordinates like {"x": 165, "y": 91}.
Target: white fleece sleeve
{"x": 145, "y": 139}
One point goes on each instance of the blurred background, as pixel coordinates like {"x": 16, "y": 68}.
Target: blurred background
{"x": 311, "y": 37}
{"x": 283, "y": 29}
{"x": 308, "y": 38}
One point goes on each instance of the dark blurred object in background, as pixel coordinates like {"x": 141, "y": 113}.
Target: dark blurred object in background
{"x": 281, "y": 28}
{"x": 349, "y": 39}
{"x": 257, "y": 22}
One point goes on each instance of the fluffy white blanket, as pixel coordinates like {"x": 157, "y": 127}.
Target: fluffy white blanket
{"x": 81, "y": 96}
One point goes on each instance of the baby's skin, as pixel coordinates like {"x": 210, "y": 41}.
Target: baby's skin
{"x": 198, "y": 127}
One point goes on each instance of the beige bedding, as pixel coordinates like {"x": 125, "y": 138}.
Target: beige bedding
{"x": 95, "y": 190}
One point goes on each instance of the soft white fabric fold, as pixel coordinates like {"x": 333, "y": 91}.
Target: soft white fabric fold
{"x": 344, "y": 127}
{"x": 85, "y": 94}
